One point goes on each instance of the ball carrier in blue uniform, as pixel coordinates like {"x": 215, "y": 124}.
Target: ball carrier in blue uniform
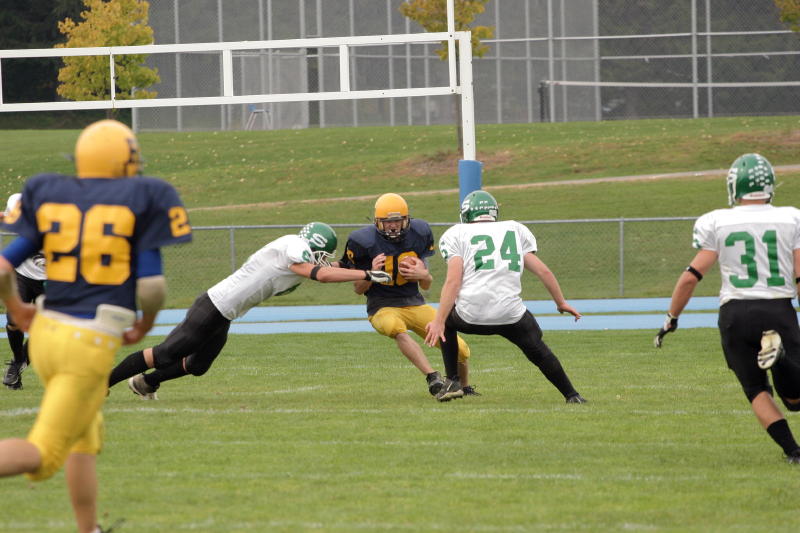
{"x": 400, "y": 245}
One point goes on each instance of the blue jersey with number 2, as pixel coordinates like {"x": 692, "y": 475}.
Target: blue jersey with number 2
{"x": 90, "y": 230}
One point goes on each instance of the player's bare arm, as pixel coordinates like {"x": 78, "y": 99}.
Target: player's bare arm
{"x": 684, "y": 288}
{"x": 540, "y": 270}
{"x": 447, "y": 300}
{"x": 362, "y": 286}
{"x": 796, "y": 254}
{"x": 688, "y": 280}
{"x": 151, "y": 292}
{"x": 330, "y": 274}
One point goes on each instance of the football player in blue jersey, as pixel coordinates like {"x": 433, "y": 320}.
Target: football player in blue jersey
{"x": 400, "y": 245}
{"x": 101, "y": 233}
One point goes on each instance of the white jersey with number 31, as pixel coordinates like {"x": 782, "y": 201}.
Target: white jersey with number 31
{"x": 755, "y": 244}
{"x": 492, "y": 253}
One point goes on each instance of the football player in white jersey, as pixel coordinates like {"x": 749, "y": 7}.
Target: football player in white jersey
{"x": 30, "y": 284}
{"x": 277, "y": 268}
{"x": 758, "y": 249}
{"x": 481, "y": 294}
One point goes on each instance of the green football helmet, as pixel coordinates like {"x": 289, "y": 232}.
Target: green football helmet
{"x": 479, "y": 206}
{"x": 750, "y": 178}
{"x": 322, "y": 240}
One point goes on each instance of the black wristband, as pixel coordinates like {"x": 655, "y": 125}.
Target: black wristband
{"x": 366, "y": 276}
{"x": 796, "y": 280}
{"x": 692, "y": 270}
{"x": 314, "y": 271}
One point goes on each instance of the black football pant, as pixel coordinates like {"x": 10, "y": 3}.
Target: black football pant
{"x": 193, "y": 345}
{"x": 525, "y": 334}
{"x": 29, "y": 289}
{"x": 741, "y": 324}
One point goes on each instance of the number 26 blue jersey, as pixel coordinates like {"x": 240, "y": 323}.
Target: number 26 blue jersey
{"x": 90, "y": 231}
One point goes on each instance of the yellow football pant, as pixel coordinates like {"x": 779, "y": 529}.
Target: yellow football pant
{"x": 73, "y": 363}
{"x": 391, "y": 321}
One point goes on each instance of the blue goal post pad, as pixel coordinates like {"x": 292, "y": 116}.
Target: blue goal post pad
{"x": 469, "y": 177}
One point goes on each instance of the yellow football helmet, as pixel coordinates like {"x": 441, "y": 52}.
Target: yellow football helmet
{"x": 391, "y": 207}
{"x": 107, "y": 149}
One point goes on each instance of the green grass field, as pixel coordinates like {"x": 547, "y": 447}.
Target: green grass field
{"x": 335, "y": 432}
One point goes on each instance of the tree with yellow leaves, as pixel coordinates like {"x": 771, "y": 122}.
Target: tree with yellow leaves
{"x": 432, "y": 15}
{"x": 790, "y": 13}
{"x": 107, "y": 23}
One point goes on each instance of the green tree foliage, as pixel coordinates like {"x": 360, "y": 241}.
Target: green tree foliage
{"x": 32, "y": 24}
{"x": 790, "y": 13}
{"x": 107, "y": 23}
{"x": 432, "y": 15}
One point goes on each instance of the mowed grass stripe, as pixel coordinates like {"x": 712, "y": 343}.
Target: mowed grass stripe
{"x": 666, "y": 444}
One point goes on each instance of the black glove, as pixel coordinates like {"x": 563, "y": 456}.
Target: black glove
{"x": 670, "y": 324}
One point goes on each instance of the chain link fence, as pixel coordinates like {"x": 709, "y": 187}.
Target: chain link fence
{"x": 592, "y": 258}
{"x": 702, "y": 43}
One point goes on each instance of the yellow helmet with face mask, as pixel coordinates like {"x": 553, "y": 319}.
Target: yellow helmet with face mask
{"x": 391, "y": 207}
{"x": 107, "y": 149}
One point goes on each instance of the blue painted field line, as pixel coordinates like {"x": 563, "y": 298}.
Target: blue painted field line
{"x": 352, "y": 318}
{"x": 537, "y": 307}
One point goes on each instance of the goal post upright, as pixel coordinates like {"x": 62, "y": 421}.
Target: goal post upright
{"x": 469, "y": 169}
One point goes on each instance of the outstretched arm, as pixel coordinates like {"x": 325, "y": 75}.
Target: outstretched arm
{"x": 447, "y": 300}
{"x": 362, "y": 286}
{"x": 548, "y": 279}
{"x": 329, "y": 274}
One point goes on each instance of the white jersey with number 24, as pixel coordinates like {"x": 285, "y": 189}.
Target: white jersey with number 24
{"x": 755, "y": 244}
{"x": 492, "y": 253}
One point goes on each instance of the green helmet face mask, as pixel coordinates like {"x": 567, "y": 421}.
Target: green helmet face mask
{"x": 750, "y": 178}
{"x": 322, "y": 240}
{"x": 479, "y": 206}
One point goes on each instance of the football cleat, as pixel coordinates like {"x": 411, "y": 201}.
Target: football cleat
{"x": 794, "y": 457}
{"x": 469, "y": 390}
{"x": 450, "y": 391}
{"x": 13, "y": 376}
{"x": 771, "y": 349}
{"x": 435, "y": 382}
{"x": 139, "y": 386}
{"x": 576, "y": 398}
